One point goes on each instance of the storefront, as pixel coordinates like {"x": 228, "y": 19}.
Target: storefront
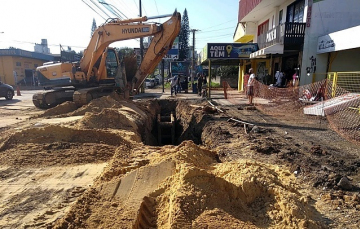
{"x": 342, "y": 48}
{"x": 229, "y": 54}
{"x": 18, "y": 65}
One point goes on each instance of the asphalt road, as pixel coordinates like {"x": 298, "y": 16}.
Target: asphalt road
{"x": 18, "y": 109}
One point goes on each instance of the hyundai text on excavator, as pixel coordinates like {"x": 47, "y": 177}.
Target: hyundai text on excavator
{"x": 99, "y": 72}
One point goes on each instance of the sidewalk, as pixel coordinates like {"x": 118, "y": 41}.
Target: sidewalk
{"x": 217, "y": 95}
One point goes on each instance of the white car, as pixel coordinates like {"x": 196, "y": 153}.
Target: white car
{"x": 159, "y": 78}
{"x": 149, "y": 82}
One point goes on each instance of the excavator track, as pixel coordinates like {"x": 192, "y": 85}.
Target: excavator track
{"x": 84, "y": 96}
{"x": 52, "y": 98}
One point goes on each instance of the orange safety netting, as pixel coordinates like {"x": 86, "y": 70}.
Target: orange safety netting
{"x": 343, "y": 117}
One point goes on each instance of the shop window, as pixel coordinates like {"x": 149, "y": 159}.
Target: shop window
{"x": 18, "y": 64}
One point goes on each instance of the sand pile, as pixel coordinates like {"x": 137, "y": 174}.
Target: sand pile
{"x": 185, "y": 187}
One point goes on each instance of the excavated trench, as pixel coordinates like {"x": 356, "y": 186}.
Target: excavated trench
{"x": 172, "y": 125}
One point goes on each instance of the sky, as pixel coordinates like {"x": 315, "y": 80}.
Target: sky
{"x": 68, "y": 22}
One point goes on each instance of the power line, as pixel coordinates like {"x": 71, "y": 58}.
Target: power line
{"x": 218, "y": 24}
{"x": 93, "y": 10}
{"x": 136, "y": 4}
{"x": 216, "y": 36}
{"x": 156, "y": 7}
{"x": 124, "y": 6}
{"x": 232, "y": 27}
{"x": 100, "y": 8}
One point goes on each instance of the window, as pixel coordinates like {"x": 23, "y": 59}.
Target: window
{"x": 280, "y": 17}
{"x": 18, "y": 64}
{"x": 296, "y": 12}
{"x": 263, "y": 28}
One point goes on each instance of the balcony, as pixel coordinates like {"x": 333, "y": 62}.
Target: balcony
{"x": 287, "y": 34}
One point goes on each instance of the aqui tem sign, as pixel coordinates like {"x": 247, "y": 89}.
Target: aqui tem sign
{"x": 230, "y": 50}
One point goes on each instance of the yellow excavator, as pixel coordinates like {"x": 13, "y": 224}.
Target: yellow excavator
{"x": 99, "y": 72}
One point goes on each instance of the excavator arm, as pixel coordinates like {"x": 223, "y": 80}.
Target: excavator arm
{"x": 159, "y": 46}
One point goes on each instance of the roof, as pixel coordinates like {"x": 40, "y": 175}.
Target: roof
{"x": 27, "y": 54}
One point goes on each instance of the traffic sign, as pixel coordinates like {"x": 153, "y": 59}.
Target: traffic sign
{"x": 170, "y": 56}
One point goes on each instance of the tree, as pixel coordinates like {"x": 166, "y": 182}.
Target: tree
{"x": 184, "y": 37}
{"x": 93, "y": 27}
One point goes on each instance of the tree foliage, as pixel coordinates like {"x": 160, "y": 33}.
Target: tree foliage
{"x": 93, "y": 27}
{"x": 184, "y": 37}
{"x": 228, "y": 71}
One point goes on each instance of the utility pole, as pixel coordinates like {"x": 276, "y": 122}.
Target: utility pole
{"x": 141, "y": 49}
{"x": 193, "y": 58}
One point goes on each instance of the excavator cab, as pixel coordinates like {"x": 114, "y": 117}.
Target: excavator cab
{"x": 106, "y": 67}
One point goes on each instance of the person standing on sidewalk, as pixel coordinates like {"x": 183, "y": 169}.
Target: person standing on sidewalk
{"x": 173, "y": 84}
{"x": 200, "y": 83}
{"x": 250, "y": 86}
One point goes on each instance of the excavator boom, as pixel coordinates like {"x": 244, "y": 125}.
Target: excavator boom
{"x": 159, "y": 46}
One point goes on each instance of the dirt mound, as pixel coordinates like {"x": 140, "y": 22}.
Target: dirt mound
{"x": 60, "y": 109}
{"x": 185, "y": 187}
{"x": 60, "y": 145}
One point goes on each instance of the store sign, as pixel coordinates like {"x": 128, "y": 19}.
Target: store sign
{"x": 173, "y": 53}
{"x": 230, "y": 50}
{"x": 308, "y": 17}
{"x": 179, "y": 67}
{"x": 341, "y": 40}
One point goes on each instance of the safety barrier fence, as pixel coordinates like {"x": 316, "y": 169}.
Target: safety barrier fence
{"x": 338, "y": 94}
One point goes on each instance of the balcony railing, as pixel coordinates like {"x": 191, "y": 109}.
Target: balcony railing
{"x": 289, "y": 33}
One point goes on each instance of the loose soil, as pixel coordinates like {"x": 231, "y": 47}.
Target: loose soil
{"x": 99, "y": 167}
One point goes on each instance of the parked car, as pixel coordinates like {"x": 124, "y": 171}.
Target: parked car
{"x": 157, "y": 81}
{"x": 6, "y": 91}
{"x": 149, "y": 82}
{"x": 158, "y": 78}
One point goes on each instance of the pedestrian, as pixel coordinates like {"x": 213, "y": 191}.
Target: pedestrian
{"x": 178, "y": 87}
{"x": 250, "y": 86}
{"x": 295, "y": 79}
{"x": 200, "y": 82}
{"x": 173, "y": 85}
{"x": 204, "y": 88}
{"x": 73, "y": 70}
{"x": 279, "y": 76}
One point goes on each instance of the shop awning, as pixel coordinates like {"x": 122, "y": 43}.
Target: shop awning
{"x": 340, "y": 40}
{"x": 273, "y": 49}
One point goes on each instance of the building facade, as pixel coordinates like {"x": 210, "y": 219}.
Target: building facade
{"x": 294, "y": 35}
{"x": 18, "y": 65}
{"x": 43, "y": 47}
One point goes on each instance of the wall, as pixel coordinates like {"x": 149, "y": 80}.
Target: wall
{"x": 345, "y": 61}
{"x": 327, "y": 16}
{"x": 8, "y": 65}
{"x": 6, "y": 74}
